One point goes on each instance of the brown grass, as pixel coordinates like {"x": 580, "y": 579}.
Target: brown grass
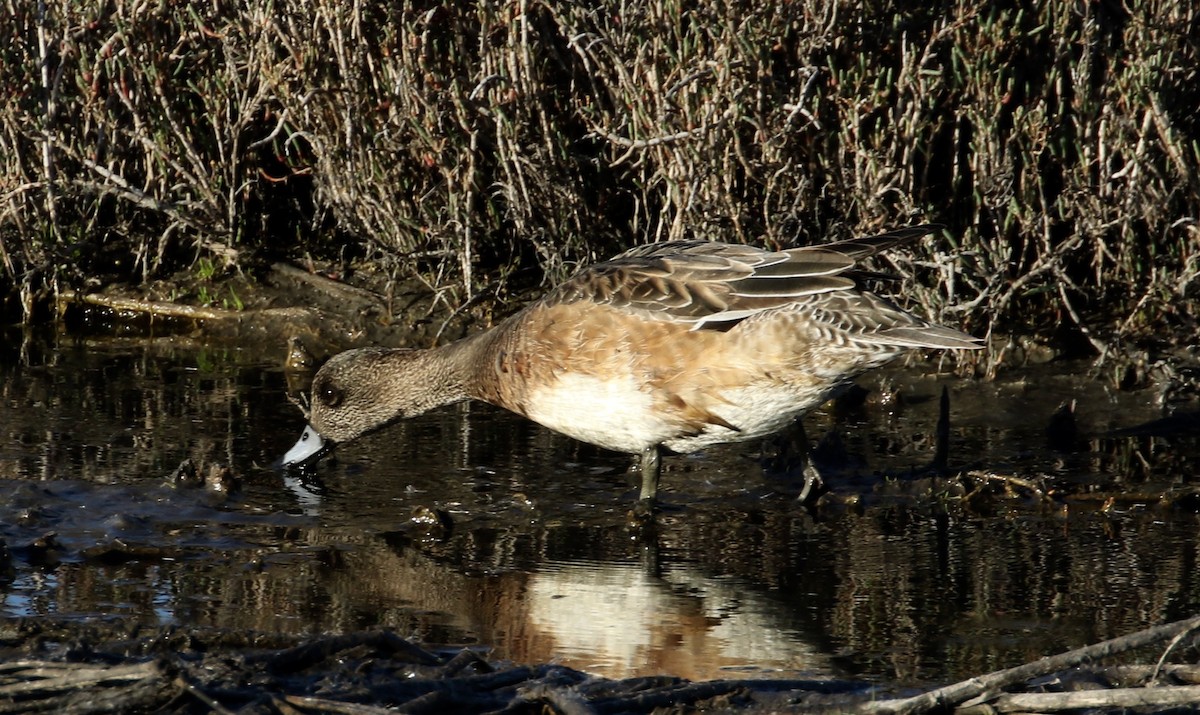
{"x": 462, "y": 141}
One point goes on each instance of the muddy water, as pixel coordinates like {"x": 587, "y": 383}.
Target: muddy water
{"x": 898, "y": 576}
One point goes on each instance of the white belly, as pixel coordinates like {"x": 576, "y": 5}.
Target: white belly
{"x": 757, "y": 412}
{"x": 617, "y": 415}
{"x": 613, "y": 414}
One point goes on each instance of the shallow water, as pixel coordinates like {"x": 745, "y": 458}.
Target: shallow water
{"x": 897, "y": 577}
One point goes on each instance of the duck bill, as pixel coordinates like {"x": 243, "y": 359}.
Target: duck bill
{"x": 308, "y": 448}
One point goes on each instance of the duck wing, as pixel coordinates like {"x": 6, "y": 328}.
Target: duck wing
{"x": 702, "y": 283}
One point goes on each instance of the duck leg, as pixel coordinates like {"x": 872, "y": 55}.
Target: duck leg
{"x": 651, "y": 465}
{"x": 812, "y": 481}
{"x": 812, "y": 477}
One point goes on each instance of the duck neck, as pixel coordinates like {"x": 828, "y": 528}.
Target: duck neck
{"x": 448, "y": 372}
{"x": 410, "y": 382}
{"x": 474, "y": 359}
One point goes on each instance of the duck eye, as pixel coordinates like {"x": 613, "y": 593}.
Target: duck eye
{"x": 329, "y": 395}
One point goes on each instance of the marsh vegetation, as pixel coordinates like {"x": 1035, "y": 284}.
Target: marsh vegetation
{"x": 483, "y": 147}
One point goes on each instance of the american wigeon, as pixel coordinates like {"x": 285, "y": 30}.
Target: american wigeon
{"x": 676, "y": 345}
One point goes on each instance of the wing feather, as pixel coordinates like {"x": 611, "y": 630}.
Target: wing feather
{"x": 707, "y": 284}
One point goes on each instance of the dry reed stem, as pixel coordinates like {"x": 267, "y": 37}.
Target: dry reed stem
{"x": 457, "y": 141}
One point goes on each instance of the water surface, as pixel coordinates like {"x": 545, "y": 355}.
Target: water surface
{"x": 899, "y": 577}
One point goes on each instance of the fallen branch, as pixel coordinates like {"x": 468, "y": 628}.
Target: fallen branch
{"x": 163, "y": 309}
{"x": 335, "y": 706}
{"x": 338, "y": 290}
{"x": 1128, "y": 675}
{"x": 202, "y": 696}
{"x": 39, "y": 677}
{"x": 566, "y": 701}
{"x": 952, "y": 695}
{"x": 321, "y": 649}
{"x": 1174, "y": 696}
{"x": 58, "y": 687}
{"x": 149, "y": 307}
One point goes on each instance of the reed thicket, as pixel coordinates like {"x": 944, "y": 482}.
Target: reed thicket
{"x": 458, "y": 141}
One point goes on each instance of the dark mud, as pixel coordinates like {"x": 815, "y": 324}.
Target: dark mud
{"x": 365, "y": 672}
{"x": 139, "y": 509}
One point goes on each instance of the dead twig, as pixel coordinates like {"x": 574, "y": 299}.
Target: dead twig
{"x": 1012, "y": 479}
{"x": 1167, "y": 651}
{"x": 200, "y": 695}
